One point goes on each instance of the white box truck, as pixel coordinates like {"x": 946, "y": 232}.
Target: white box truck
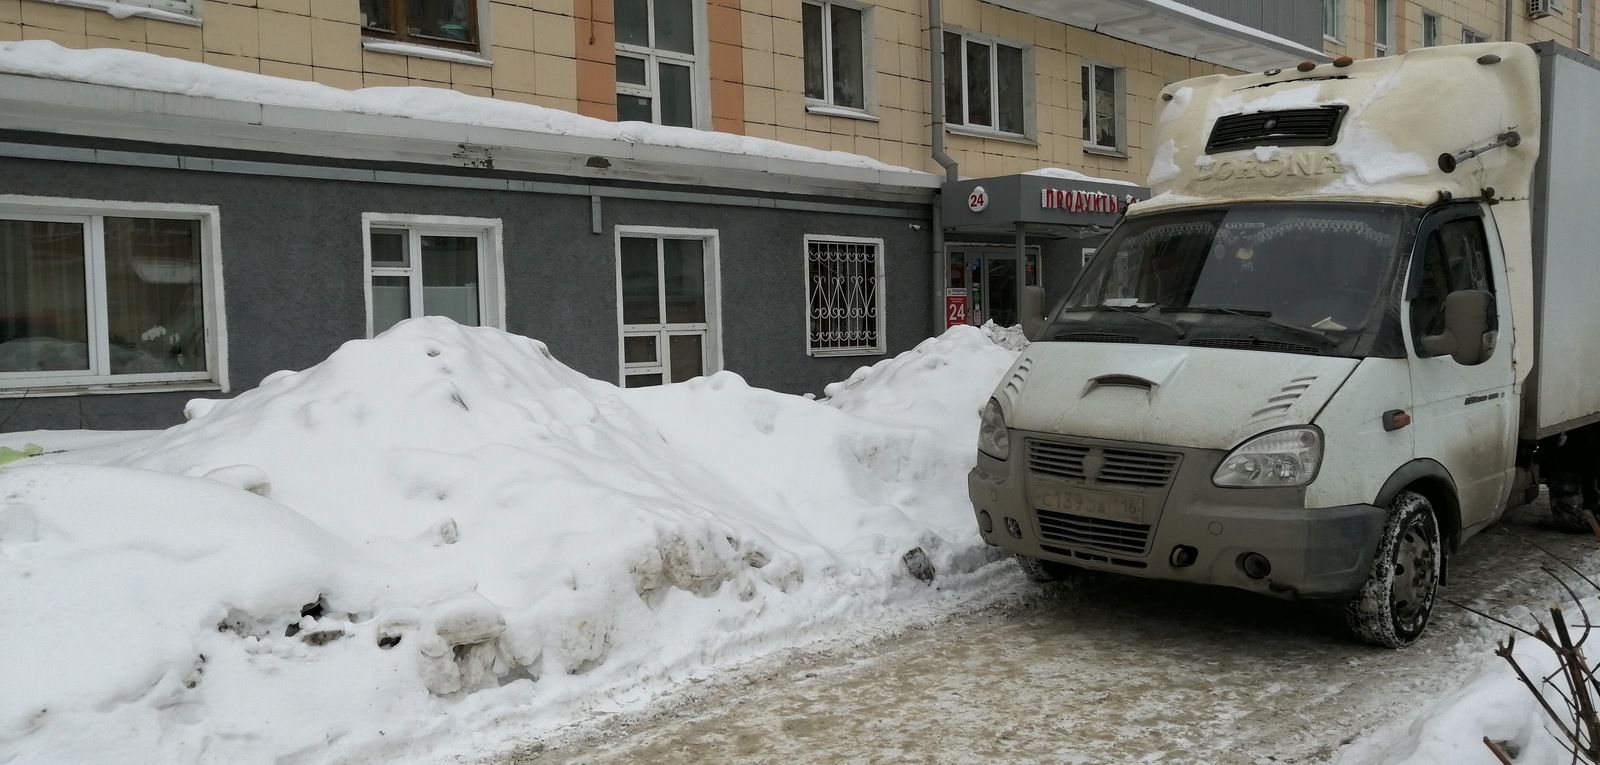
{"x": 1356, "y": 322}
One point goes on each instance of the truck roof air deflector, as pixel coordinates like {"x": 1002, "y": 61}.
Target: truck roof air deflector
{"x": 1317, "y": 126}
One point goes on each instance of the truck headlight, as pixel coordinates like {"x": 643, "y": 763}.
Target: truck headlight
{"x": 1288, "y": 457}
{"x": 994, "y": 439}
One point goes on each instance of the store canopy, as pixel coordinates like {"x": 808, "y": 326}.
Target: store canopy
{"x": 1036, "y": 204}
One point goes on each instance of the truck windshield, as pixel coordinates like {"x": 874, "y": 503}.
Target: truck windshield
{"x": 1316, "y": 277}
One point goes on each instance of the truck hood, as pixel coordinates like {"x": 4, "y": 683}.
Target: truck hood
{"x": 1203, "y": 398}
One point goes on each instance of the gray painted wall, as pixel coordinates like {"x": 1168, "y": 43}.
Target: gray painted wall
{"x": 1297, "y": 20}
{"x": 292, "y": 266}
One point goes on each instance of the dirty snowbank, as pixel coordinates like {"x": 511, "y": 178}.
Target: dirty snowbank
{"x": 444, "y": 525}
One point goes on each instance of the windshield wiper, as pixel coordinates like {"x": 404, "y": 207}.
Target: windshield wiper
{"x": 1265, "y": 317}
{"x": 1136, "y": 313}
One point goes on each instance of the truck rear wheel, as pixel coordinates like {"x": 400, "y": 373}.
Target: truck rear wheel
{"x": 1572, "y": 502}
{"x": 1394, "y": 604}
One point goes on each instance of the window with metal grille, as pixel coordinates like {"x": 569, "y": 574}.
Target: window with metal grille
{"x": 844, "y": 296}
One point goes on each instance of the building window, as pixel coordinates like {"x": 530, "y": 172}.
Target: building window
{"x": 835, "y": 60}
{"x": 1585, "y": 26}
{"x": 844, "y": 296}
{"x": 420, "y": 265}
{"x": 1102, "y": 107}
{"x": 446, "y": 23}
{"x": 1430, "y": 29}
{"x": 658, "y": 66}
{"x": 667, "y": 305}
{"x": 95, "y": 294}
{"x": 1333, "y": 19}
{"x": 1382, "y": 27}
{"x": 984, "y": 84}
{"x": 1470, "y": 36}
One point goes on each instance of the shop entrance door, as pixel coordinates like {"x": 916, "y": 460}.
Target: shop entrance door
{"x": 985, "y": 284}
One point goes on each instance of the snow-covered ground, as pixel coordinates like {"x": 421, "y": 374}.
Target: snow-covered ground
{"x": 443, "y": 539}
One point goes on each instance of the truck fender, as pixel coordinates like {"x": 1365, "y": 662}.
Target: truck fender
{"x": 1430, "y": 479}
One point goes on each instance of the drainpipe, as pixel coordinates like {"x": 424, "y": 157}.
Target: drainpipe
{"x": 1505, "y": 29}
{"x": 936, "y": 91}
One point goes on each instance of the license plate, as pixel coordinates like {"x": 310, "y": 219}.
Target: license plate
{"x": 1092, "y": 504}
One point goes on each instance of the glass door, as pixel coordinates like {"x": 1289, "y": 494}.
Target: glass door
{"x": 664, "y": 310}
{"x": 985, "y": 284}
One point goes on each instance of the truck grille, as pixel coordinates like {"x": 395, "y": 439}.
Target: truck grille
{"x": 1289, "y": 127}
{"x": 1077, "y": 531}
{"x": 1111, "y": 467}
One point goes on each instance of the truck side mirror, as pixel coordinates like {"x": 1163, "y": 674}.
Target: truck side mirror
{"x": 1466, "y": 337}
{"x": 1032, "y": 311}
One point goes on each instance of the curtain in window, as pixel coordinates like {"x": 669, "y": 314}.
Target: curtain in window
{"x": 44, "y": 318}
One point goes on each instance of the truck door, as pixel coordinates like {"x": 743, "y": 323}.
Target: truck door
{"x": 1463, "y": 415}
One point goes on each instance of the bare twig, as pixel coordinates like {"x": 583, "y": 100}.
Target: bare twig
{"x": 1499, "y": 753}
{"x": 1496, "y": 620}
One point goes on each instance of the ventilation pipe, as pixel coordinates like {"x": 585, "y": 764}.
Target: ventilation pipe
{"x": 936, "y": 92}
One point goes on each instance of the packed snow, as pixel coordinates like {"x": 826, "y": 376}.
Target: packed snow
{"x": 444, "y": 541}
{"x": 445, "y": 523}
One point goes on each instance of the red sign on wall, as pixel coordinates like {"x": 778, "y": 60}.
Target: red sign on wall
{"x": 955, "y": 310}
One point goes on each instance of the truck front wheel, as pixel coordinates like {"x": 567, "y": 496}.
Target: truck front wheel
{"x": 1393, "y": 606}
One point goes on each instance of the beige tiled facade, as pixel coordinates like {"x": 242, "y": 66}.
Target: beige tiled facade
{"x": 561, "y": 54}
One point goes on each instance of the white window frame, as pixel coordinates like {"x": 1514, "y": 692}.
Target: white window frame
{"x": 1382, "y": 28}
{"x": 1119, "y": 107}
{"x": 879, "y": 290}
{"x": 92, "y": 213}
{"x": 1028, "y": 96}
{"x": 1470, "y": 35}
{"x": 181, "y": 11}
{"x": 1585, "y": 41}
{"x": 1333, "y": 20}
{"x": 491, "y": 259}
{"x": 1432, "y": 29}
{"x": 711, "y": 347}
{"x": 699, "y": 80}
{"x": 868, "y": 63}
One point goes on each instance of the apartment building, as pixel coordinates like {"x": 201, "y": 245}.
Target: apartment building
{"x": 812, "y": 184}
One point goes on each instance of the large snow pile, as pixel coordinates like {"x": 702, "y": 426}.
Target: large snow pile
{"x": 445, "y": 527}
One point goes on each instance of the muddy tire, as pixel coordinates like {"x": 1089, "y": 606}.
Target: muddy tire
{"x": 1571, "y": 504}
{"x": 1051, "y": 572}
{"x": 1394, "y": 604}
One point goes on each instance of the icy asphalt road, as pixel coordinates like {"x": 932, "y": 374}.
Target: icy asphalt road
{"x": 1123, "y": 671}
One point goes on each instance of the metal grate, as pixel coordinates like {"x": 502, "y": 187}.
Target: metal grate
{"x": 843, "y": 295}
{"x": 1114, "y": 467}
{"x": 1289, "y": 127}
{"x": 1133, "y": 468}
{"x": 1094, "y": 337}
{"x": 1252, "y": 344}
{"x": 1094, "y": 533}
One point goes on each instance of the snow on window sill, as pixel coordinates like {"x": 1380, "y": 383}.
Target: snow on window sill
{"x": 828, "y": 110}
{"x": 829, "y": 352}
{"x": 175, "y": 386}
{"x": 124, "y": 10}
{"x": 425, "y": 51}
{"x": 1103, "y": 151}
{"x": 976, "y": 132}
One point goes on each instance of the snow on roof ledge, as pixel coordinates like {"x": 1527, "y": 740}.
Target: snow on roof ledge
{"x": 1176, "y": 28}
{"x": 46, "y": 87}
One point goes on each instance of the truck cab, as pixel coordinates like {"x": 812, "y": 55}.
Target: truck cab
{"x": 1301, "y": 367}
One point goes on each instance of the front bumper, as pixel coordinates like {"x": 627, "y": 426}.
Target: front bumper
{"x": 1180, "y": 527}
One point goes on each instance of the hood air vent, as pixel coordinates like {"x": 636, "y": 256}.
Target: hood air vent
{"x": 1288, "y": 127}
